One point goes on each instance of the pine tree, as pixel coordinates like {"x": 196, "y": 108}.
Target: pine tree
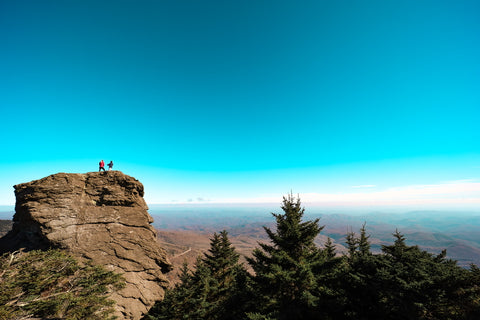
{"x": 222, "y": 263}
{"x": 328, "y": 275}
{"x": 422, "y": 285}
{"x": 358, "y": 279}
{"x": 293, "y": 279}
{"x": 213, "y": 291}
{"x": 363, "y": 242}
{"x": 329, "y": 250}
{"x": 352, "y": 244}
{"x": 284, "y": 270}
{"x": 172, "y": 306}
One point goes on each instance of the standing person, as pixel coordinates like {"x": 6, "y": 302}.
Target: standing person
{"x": 110, "y": 165}
{"x": 101, "y": 166}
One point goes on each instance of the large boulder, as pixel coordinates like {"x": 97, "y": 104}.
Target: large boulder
{"x": 95, "y": 216}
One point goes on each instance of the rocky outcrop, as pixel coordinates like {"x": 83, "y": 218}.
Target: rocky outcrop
{"x": 100, "y": 217}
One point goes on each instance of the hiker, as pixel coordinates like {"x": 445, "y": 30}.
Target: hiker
{"x": 110, "y": 165}
{"x": 102, "y": 166}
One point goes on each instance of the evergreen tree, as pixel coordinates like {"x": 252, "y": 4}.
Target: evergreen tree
{"x": 293, "y": 279}
{"x": 421, "y": 285}
{"x": 352, "y": 244}
{"x": 359, "y": 281}
{"x": 284, "y": 270}
{"x": 363, "y": 242}
{"x": 404, "y": 283}
{"x": 177, "y": 300}
{"x": 329, "y": 250}
{"x": 328, "y": 276}
{"x": 468, "y": 300}
{"x": 225, "y": 295}
{"x": 214, "y": 290}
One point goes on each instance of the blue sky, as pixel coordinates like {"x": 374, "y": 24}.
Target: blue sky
{"x": 246, "y": 100}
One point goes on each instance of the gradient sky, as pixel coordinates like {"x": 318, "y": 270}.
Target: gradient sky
{"x": 237, "y": 101}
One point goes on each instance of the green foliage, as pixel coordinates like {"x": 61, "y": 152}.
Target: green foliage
{"x": 363, "y": 243}
{"x": 358, "y": 280}
{"x": 421, "y": 285}
{"x": 404, "y": 282}
{"x": 257, "y": 316}
{"x": 51, "y": 284}
{"x": 284, "y": 279}
{"x": 294, "y": 279}
{"x": 329, "y": 251}
{"x": 214, "y": 290}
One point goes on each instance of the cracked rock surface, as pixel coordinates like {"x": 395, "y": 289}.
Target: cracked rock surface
{"x": 100, "y": 217}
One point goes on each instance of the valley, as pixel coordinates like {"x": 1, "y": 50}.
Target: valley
{"x": 185, "y": 231}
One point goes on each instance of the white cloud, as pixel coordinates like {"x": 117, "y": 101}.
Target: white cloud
{"x": 457, "y": 192}
{"x": 462, "y": 193}
{"x": 364, "y": 186}
{"x": 451, "y": 194}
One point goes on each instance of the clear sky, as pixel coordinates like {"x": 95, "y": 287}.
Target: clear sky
{"x": 238, "y": 101}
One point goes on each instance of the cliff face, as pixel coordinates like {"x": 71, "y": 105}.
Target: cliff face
{"x": 100, "y": 217}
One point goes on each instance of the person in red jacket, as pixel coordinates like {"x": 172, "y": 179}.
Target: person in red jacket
{"x": 102, "y": 166}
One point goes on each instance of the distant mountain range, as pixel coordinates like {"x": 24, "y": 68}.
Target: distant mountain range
{"x": 184, "y": 231}
{"x": 458, "y": 232}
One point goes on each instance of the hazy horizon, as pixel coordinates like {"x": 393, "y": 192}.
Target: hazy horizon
{"x": 225, "y": 210}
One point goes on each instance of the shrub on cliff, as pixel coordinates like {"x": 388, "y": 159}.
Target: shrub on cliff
{"x": 52, "y": 284}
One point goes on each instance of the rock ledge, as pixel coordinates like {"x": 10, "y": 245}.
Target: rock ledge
{"x": 100, "y": 217}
